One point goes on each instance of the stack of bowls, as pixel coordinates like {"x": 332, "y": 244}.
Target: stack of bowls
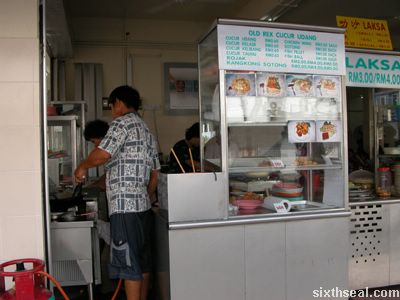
{"x": 288, "y": 190}
{"x": 397, "y": 179}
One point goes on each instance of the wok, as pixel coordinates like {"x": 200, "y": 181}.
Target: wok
{"x": 60, "y": 203}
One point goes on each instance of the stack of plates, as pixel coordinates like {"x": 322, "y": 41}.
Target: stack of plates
{"x": 255, "y": 109}
{"x": 288, "y": 190}
{"x": 234, "y": 110}
{"x": 358, "y": 194}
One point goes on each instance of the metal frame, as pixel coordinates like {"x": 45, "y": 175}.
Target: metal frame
{"x": 372, "y": 122}
{"x": 62, "y": 120}
{"x": 44, "y": 138}
{"x": 79, "y": 263}
{"x": 82, "y": 118}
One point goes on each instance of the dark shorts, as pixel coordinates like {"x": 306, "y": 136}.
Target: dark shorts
{"x": 130, "y": 254}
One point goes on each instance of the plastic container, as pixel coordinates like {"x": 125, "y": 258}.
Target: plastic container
{"x": 384, "y": 187}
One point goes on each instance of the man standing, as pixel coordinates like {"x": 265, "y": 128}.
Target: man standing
{"x": 131, "y": 161}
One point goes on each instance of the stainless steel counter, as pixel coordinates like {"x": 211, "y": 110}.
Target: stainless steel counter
{"x": 374, "y": 243}
{"x": 76, "y": 224}
{"x": 251, "y": 249}
{"x": 375, "y": 202}
{"x": 262, "y": 215}
{"x": 76, "y": 253}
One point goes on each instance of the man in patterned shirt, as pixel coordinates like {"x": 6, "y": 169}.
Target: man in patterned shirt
{"x": 131, "y": 161}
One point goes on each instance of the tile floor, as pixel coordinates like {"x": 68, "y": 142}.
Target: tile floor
{"x": 80, "y": 293}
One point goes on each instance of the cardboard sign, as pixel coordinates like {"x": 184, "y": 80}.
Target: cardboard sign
{"x": 365, "y": 33}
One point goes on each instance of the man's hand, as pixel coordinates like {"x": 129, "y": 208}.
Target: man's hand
{"x": 96, "y": 158}
{"x": 80, "y": 174}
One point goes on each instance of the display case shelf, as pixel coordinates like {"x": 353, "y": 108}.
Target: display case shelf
{"x": 286, "y": 168}
{"x": 253, "y": 124}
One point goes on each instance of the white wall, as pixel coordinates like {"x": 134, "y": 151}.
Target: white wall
{"x": 151, "y": 43}
{"x": 21, "y": 224}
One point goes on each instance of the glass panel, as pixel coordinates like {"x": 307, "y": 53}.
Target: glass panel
{"x": 285, "y": 137}
{"x": 59, "y": 156}
{"x": 69, "y": 108}
{"x": 387, "y": 108}
{"x": 61, "y": 151}
{"x": 210, "y": 105}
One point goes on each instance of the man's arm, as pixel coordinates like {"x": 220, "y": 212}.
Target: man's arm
{"x": 100, "y": 183}
{"x": 152, "y": 186}
{"x": 96, "y": 158}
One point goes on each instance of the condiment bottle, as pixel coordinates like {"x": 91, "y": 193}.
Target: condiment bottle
{"x": 383, "y": 189}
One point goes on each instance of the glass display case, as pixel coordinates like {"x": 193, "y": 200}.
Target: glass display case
{"x": 66, "y": 146}
{"x": 272, "y": 114}
{"x": 387, "y": 136}
{"x": 63, "y": 151}
{"x": 73, "y": 108}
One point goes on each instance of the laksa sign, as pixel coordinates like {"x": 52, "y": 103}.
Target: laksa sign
{"x": 371, "y": 70}
{"x": 365, "y": 33}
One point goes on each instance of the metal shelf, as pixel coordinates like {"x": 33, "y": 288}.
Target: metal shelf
{"x": 254, "y": 124}
{"x": 286, "y": 168}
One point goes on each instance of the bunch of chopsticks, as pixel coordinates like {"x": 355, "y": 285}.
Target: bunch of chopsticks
{"x": 179, "y": 163}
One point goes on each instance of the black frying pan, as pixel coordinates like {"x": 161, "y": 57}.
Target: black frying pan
{"x": 63, "y": 204}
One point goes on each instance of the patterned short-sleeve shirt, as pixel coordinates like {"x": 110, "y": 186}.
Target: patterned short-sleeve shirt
{"x": 133, "y": 156}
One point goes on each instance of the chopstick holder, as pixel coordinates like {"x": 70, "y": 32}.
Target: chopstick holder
{"x": 191, "y": 160}
{"x": 177, "y": 159}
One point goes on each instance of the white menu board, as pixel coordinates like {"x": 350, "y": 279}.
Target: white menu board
{"x": 280, "y": 50}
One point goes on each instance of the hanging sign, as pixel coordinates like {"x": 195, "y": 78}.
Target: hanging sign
{"x": 365, "y": 33}
{"x": 372, "y": 70}
{"x": 250, "y": 48}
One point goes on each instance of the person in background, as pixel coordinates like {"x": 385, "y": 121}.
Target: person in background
{"x": 94, "y": 132}
{"x": 181, "y": 149}
{"x": 130, "y": 156}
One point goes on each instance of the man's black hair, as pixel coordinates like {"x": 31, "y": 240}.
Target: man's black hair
{"x": 193, "y": 131}
{"x": 95, "y": 129}
{"x": 127, "y": 95}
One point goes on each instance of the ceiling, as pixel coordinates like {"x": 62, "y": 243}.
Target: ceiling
{"x": 180, "y": 10}
{"x": 311, "y": 12}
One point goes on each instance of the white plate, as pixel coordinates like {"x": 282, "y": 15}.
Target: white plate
{"x": 326, "y": 86}
{"x": 262, "y": 80}
{"x": 306, "y": 137}
{"x": 299, "y": 85}
{"x": 333, "y": 135}
{"x": 240, "y": 84}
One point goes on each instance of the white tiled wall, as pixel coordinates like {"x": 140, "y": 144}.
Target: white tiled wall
{"x": 21, "y": 225}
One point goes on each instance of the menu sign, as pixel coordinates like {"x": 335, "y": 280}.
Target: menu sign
{"x": 372, "y": 70}
{"x": 365, "y": 33}
{"x": 280, "y": 50}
